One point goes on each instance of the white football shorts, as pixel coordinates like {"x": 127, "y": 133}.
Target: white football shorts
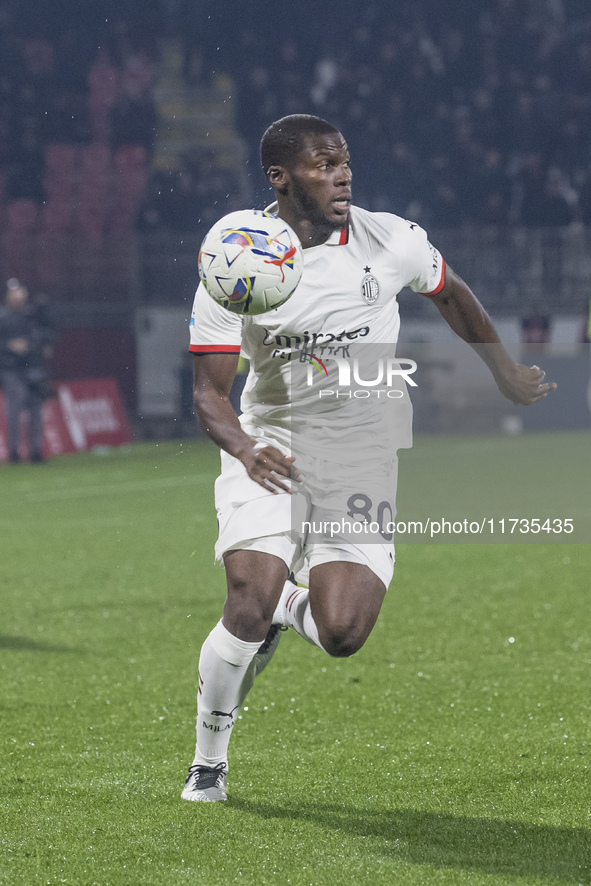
{"x": 320, "y": 523}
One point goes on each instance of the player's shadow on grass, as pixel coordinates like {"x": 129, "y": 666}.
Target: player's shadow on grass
{"x": 25, "y": 644}
{"x": 488, "y": 845}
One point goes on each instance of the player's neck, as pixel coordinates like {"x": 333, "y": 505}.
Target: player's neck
{"x": 310, "y": 234}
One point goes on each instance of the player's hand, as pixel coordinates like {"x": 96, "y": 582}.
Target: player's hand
{"x": 267, "y": 466}
{"x": 525, "y": 385}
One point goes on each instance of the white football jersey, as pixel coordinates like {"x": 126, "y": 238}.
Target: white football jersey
{"x": 347, "y": 297}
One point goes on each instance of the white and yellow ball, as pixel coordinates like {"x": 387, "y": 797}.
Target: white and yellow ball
{"x": 250, "y": 262}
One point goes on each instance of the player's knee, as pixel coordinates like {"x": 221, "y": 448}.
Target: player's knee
{"x": 341, "y": 641}
{"x": 248, "y": 607}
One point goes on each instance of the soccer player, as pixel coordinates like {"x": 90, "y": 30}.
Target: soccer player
{"x": 355, "y": 264}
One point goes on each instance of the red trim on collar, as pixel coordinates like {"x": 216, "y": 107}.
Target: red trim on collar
{"x": 344, "y": 238}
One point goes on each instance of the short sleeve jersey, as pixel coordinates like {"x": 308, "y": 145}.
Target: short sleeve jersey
{"x": 348, "y": 293}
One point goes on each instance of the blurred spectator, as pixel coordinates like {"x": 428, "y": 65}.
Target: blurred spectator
{"x": 535, "y": 327}
{"x": 558, "y": 209}
{"x": 533, "y": 178}
{"x": 103, "y": 82}
{"x": 133, "y": 122}
{"x": 26, "y": 338}
{"x": 586, "y": 326}
{"x": 180, "y": 204}
{"x": 134, "y": 113}
{"x": 585, "y": 197}
{"x": 491, "y": 191}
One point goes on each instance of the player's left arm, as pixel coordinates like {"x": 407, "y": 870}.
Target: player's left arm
{"x": 462, "y": 311}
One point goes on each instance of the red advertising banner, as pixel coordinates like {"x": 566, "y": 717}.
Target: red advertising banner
{"x": 82, "y": 415}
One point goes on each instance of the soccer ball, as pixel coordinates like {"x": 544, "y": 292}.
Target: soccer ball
{"x": 250, "y": 262}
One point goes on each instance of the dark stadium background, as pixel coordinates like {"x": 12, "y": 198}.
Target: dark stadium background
{"x": 127, "y": 128}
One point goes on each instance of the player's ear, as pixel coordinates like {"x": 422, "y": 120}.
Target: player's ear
{"x": 279, "y": 178}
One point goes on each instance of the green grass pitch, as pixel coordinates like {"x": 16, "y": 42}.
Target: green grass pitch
{"x": 453, "y": 749}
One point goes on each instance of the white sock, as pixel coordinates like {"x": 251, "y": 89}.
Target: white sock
{"x": 226, "y": 674}
{"x": 294, "y": 610}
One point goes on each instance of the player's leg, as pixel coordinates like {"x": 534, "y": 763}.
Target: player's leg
{"x": 345, "y": 601}
{"x": 242, "y": 643}
{"x": 228, "y": 664}
{"x": 346, "y": 589}
{"x": 15, "y": 395}
{"x": 294, "y": 611}
{"x": 35, "y": 403}
{"x": 347, "y": 580}
{"x": 255, "y": 581}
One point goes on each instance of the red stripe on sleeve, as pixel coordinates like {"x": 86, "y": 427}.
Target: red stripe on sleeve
{"x": 441, "y": 282}
{"x": 214, "y": 349}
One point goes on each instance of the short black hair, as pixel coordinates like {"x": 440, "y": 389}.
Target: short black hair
{"x": 284, "y": 139}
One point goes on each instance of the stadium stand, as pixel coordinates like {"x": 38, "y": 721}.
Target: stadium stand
{"x": 462, "y": 116}
{"x": 471, "y": 113}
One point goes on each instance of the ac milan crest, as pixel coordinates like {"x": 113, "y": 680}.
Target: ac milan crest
{"x": 370, "y": 289}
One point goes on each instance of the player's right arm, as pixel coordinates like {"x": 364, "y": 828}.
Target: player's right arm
{"x": 215, "y": 342}
{"x": 213, "y": 377}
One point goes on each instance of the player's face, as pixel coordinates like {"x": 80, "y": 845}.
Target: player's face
{"x": 321, "y": 181}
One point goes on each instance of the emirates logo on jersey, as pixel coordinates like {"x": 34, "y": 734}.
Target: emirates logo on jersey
{"x": 370, "y": 288}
